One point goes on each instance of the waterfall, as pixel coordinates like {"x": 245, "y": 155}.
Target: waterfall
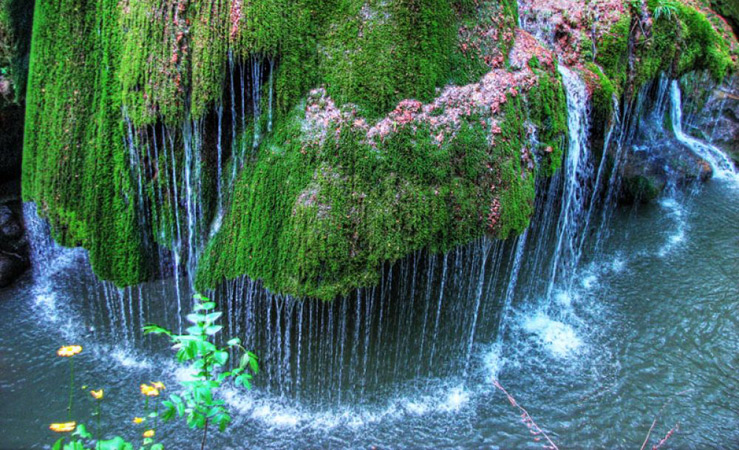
{"x": 43, "y": 249}
{"x": 577, "y": 171}
{"x": 256, "y": 96}
{"x": 351, "y": 349}
{"x": 723, "y": 167}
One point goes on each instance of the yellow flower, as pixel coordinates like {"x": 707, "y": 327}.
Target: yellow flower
{"x": 63, "y": 427}
{"x": 69, "y": 350}
{"x": 149, "y": 391}
{"x": 97, "y": 394}
{"x": 149, "y": 433}
{"x": 138, "y": 419}
{"x": 158, "y": 384}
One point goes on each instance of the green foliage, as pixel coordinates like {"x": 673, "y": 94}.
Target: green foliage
{"x": 665, "y": 9}
{"x": 319, "y": 219}
{"x": 613, "y": 52}
{"x": 682, "y": 39}
{"x": 377, "y": 53}
{"x": 548, "y": 111}
{"x": 75, "y": 165}
{"x": 603, "y": 92}
{"x": 209, "y": 361}
{"x": 100, "y": 67}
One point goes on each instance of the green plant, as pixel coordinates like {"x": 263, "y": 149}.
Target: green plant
{"x": 196, "y": 347}
{"x": 666, "y": 9}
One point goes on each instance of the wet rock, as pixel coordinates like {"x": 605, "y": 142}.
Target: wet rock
{"x": 11, "y": 267}
{"x": 713, "y": 112}
{"x": 13, "y": 244}
{"x": 652, "y": 167}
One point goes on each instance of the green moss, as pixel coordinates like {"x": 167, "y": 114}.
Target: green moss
{"x": 376, "y": 53}
{"x": 74, "y": 163}
{"x": 613, "y": 52}
{"x": 603, "y": 93}
{"x": 548, "y": 111}
{"x": 319, "y": 220}
{"x": 682, "y": 39}
{"x": 308, "y": 219}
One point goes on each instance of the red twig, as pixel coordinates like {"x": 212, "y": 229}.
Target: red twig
{"x": 526, "y": 418}
{"x": 654, "y": 422}
{"x": 669, "y": 434}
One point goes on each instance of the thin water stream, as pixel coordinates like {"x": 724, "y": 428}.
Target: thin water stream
{"x": 647, "y": 329}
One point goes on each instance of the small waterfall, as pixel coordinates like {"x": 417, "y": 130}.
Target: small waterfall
{"x": 577, "y": 171}
{"x": 426, "y": 313}
{"x": 256, "y": 96}
{"x": 44, "y": 250}
{"x": 271, "y": 93}
{"x": 722, "y": 165}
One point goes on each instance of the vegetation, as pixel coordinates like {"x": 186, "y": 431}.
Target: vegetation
{"x": 679, "y": 39}
{"x": 122, "y": 92}
{"x": 197, "y": 402}
{"x": 78, "y": 164}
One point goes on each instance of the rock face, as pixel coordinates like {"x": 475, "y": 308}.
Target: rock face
{"x": 712, "y": 112}
{"x": 650, "y": 167}
{"x": 13, "y": 245}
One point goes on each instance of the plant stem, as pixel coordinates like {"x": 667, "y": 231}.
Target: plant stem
{"x": 71, "y": 387}
{"x": 205, "y": 433}
{"x": 156, "y": 418}
{"x": 99, "y": 413}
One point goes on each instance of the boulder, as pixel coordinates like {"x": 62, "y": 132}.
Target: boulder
{"x": 13, "y": 245}
{"x": 11, "y": 267}
{"x": 651, "y": 167}
{"x": 713, "y": 112}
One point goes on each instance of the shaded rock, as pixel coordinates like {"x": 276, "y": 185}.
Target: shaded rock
{"x": 10, "y": 227}
{"x": 11, "y": 267}
{"x": 713, "y": 112}
{"x": 651, "y": 167}
{"x": 14, "y": 248}
{"x": 11, "y": 142}
{"x": 729, "y": 9}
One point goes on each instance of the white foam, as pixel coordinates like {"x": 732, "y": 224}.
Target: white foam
{"x": 559, "y": 338}
{"x": 129, "y": 360}
{"x": 276, "y": 412}
{"x": 493, "y": 362}
{"x": 676, "y": 213}
{"x": 618, "y": 264}
{"x": 564, "y": 298}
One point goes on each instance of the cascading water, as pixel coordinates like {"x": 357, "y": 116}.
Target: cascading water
{"x": 577, "y": 171}
{"x": 722, "y": 165}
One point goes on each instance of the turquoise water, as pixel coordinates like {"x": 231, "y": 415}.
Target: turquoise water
{"x": 648, "y": 330}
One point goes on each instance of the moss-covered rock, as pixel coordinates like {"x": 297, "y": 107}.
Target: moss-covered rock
{"x": 334, "y": 195}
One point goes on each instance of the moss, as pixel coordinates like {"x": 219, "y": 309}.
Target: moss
{"x": 603, "y": 93}
{"x": 485, "y": 37}
{"x": 548, "y": 112}
{"x": 613, "y": 52}
{"x": 679, "y": 42}
{"x": 309, "y": 219}
{"x": 74, "y": 161}
{"x": 320, "y": 219}
{"x": 376, "y": 53}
